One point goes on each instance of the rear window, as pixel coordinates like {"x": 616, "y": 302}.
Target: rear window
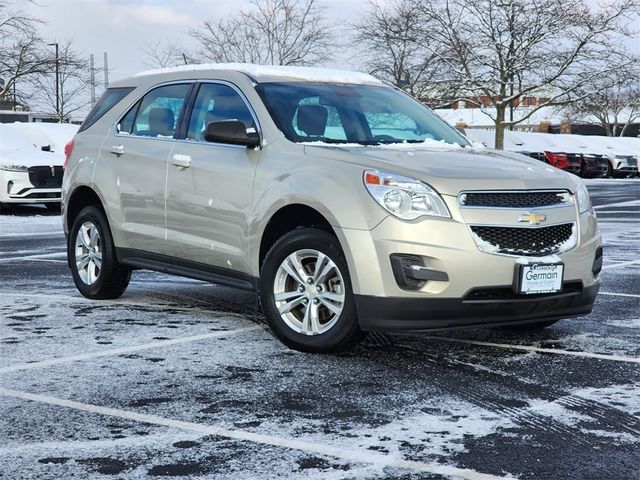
{"x": 109, "y": 98}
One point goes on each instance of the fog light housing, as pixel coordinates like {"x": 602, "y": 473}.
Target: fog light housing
{"x": 411, "y": 274}
{"x": 597, "y": 262}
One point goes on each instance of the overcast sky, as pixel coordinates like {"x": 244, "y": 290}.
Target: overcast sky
{"x": 121, "y": 27}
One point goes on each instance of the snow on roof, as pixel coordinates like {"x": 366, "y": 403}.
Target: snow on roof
{"x": 312, "y": 74}
{"x": 55, "y": 135}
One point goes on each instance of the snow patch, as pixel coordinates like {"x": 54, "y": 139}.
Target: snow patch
{"x": 311, "y": 74}
{"x": 428, "y": 143}
{"x": 14, "y": 225}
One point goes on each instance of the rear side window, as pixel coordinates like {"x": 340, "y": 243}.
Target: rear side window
{"x": 157, "y": 113}
{"x": 109, "y": 98}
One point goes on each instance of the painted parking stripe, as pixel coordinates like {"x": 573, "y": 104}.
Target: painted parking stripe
{"x": 39, "y": 256}
{"x": 340, "y": 452}
{"x": 106, "y": 303}
{"x": 629, "y": 203}
{"x": 620, "y": 264}
{"x": 615, "y": 294}
{"x": 11, "y": 236}
{"x": 123, "y": 350}
{"x": 529, "y": 348}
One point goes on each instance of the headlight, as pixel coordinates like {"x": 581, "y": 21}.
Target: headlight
{"x": 404, "y": 197}
{"x": 14, "y": 168}
{"x": 583, "y": 200}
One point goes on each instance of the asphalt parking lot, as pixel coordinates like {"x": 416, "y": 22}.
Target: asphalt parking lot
{"x": 180, "y": 379}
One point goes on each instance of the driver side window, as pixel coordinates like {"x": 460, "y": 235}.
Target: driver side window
{"x": 216, "y": 103}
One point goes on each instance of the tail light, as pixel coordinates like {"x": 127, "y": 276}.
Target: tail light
{"x": 558, "y": 160}
{"x": 68, "y": 148}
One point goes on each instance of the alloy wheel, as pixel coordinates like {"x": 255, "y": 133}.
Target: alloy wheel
{"x": 88, "y": 253}
{"x": 309, "y": 292}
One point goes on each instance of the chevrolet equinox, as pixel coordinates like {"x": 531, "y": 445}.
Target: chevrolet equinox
{"x": 345, "y": 203}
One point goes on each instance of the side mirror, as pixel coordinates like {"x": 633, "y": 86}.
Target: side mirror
{"x": 231, "y": 131}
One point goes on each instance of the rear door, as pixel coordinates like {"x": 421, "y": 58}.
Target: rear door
{"x": 209, "y": 185}
{"x": 139, "y": 151}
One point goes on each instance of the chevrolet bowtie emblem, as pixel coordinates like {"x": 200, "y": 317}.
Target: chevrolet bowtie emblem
{"x": 532, "y": 218}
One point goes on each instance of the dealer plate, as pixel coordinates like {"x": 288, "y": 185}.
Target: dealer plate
{"x": 541, "y": 278}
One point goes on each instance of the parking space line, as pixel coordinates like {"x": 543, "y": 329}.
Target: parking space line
{"x": 614, "y": 294}
{"x": 620, "y": 264}
{"x": 340, "y": 452}
{"x": 123, "y": 350}
{"x": 38, "y": 256}
{"x": 50, "y": 260}
{"x": 11, "y": 236}
{"x": 529, "y": 348}
{"x": 100, "y": 303}
{"x": 630, "y": 203}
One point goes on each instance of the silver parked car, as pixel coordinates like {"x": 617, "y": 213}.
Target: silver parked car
{"x": 345, "y": 203}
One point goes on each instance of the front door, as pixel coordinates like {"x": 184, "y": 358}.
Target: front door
{"x": 209, "y": 185}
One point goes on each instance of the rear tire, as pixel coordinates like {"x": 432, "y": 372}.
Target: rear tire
{"x": 307, "y": 271}
{"x": 92, "y": 257}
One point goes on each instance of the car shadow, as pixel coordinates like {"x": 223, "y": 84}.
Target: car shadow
{"x": 27, "y": 210}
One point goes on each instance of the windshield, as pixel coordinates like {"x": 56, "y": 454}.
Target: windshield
{"x": 363, "y": 114}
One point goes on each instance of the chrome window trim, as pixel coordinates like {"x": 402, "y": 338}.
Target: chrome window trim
{"x": 542, "y": 207}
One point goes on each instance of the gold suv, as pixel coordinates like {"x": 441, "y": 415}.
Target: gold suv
{"x": 345, "y": 203}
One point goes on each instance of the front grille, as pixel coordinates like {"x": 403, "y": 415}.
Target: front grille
{"x": 43, "y": 195}
{"x": 512, "y": 199}
{"x": 46, "y": 177}
{"x": 533, "y": 242}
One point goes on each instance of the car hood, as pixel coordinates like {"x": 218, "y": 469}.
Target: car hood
{"x": 30, "y": 157}
{"x": 452, "y": 170}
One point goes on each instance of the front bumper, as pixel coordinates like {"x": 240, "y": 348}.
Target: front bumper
{"x": 16, "y": 187}
{"x": 624, "y": 166}
{"x": 445, "y": 246}
{"x": 399, "y": 313}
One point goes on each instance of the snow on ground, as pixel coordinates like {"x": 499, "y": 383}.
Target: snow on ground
{"x": 25, "y": 226}
{"x": 417, "y": 398}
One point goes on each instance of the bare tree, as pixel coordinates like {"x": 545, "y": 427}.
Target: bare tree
{"x": 274, "y": 32}
{"x": 163, "y": 55}
{"x": 74, "y": 84}
{"x": 613, "y": 102}
{"x": 390, "y": 38}
{"x": 21, "y": 48}
{"x": 504, "y": 50}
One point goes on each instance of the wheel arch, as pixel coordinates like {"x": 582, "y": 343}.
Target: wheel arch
{"x": 286, "y": 219}
{"x": 81, "y": 197}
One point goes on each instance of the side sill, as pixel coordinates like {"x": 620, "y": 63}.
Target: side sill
{"x": 186, "y": 268}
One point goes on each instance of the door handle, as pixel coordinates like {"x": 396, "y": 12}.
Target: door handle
{"x": 181, "y": 161}
{"x": 117, "y": 149}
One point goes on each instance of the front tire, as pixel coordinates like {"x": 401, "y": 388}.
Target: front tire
{"x": 306, "y": 293}
{"x": 92, "y": 257}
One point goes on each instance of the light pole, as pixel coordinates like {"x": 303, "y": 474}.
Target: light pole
{"x": 57, "y": 80}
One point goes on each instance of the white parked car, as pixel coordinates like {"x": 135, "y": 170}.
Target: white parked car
{"x": 31, "y": 158}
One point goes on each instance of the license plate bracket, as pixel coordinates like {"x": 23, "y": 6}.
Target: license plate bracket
{"x": 537, "y": 278}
